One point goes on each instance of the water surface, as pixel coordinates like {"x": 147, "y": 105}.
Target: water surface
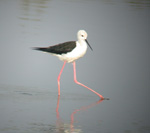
{"x": 118, "y": 67}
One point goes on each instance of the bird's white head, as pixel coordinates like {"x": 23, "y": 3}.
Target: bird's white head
{"x": 82, "y": 36}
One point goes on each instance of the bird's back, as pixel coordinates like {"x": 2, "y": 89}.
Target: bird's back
{"x": 59, "y": 49}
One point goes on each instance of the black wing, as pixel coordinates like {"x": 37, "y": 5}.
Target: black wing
{"x": 61, "y": 48}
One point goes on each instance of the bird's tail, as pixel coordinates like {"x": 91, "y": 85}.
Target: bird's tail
{"x": 40, "y": 49}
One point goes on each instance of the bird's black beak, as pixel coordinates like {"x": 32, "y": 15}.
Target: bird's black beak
{"x": 89, "y": 44}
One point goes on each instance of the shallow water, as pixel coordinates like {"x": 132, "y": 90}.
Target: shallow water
{"x": 117, "y": 68}
{"x": 40, "y": 110}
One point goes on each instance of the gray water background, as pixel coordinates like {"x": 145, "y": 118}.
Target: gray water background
{"x": 118, "y": 67}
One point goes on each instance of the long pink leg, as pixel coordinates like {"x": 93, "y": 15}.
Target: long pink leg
{"x": 75, "y": 80}
{"x": 58, "y": 79}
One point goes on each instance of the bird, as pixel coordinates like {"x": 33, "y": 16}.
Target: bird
{"x": 69, "y": 52}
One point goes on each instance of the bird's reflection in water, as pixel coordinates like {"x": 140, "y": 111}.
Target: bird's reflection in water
{"x": 62, "y": 127}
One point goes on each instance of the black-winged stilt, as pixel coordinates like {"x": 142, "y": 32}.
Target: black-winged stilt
{"x": 69, "y": 52}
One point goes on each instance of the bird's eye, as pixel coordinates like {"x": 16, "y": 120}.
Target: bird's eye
{"x": 82, "y": 35}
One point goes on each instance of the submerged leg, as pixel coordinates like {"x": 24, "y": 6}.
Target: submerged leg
{"x": 75, "y": 80}
{"x": 58, "y": 79}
